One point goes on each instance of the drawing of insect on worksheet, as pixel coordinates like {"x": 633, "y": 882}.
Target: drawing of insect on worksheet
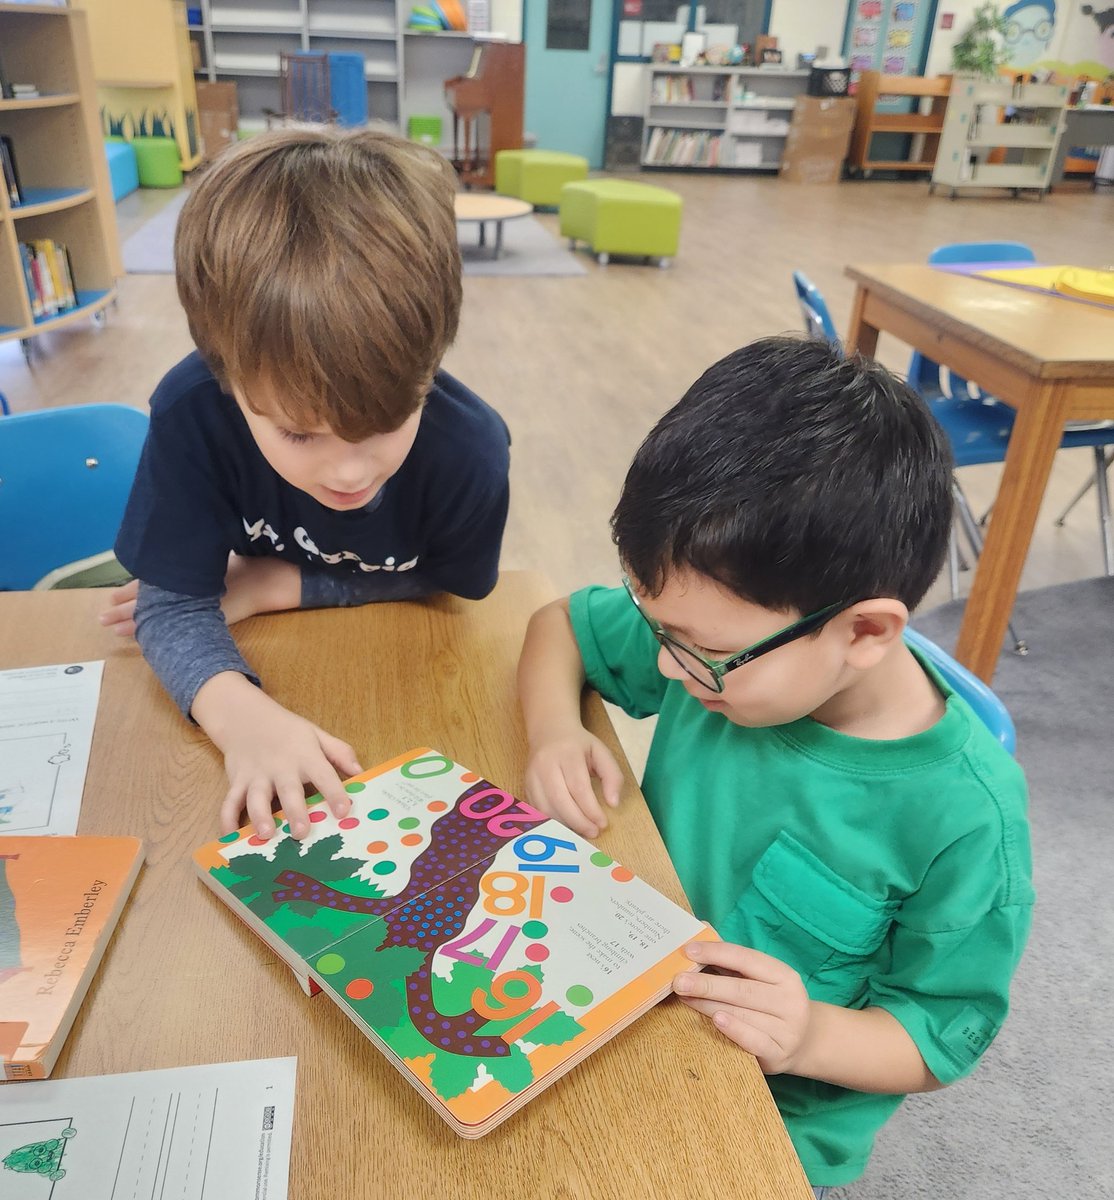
{"x": 194, "y": 1133}
{"x": 46, "y": 729}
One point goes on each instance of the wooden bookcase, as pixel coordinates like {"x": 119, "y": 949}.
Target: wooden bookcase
{"x": 929, "y": 97}
{"x": 978, "y": 149}
{"x": 744, "y": 111}
{"x": 63, "y": 171}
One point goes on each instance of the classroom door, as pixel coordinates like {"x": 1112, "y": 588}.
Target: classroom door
{"x": 568, "y": 47}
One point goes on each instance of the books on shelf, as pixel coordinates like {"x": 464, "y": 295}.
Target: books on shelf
{"x": 686, "y": 89}
{"x": 48, "y": 274}
{"x": 10, "y": 171}
{"x": 684, "y": 148}
{"x": 60, "y": 900}
{"x": 483, "y": 948}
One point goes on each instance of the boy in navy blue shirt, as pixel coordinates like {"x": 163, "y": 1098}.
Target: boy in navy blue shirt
{"x": 310, "y": 453}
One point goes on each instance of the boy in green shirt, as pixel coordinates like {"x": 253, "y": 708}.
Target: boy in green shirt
{"x": 839, "y": 815}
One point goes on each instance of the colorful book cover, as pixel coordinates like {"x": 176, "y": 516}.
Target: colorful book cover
{"x": 60, "y": 900}
{"x": 483, "y": 947}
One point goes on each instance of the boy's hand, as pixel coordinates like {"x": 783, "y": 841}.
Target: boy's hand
{"x": 270, "y": 752}
{"x": 759, "y": 1002}
{"x": 253, "y": 585}
{"x": 559, "y": 780}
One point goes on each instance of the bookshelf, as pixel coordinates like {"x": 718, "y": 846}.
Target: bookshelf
{"x": 63, "y": 174}
{"x": 718, "y": 118}
{"x": 241, "y": 41}
{"x": 975, "y": 129}
{"x": 927, "y": 102}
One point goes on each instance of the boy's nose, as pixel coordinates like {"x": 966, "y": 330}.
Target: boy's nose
{"x": 668, "y": 665}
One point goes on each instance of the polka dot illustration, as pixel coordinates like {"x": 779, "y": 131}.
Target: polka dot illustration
{"x": 579, "y": 995}
{"x": 469, "y": 777}
{"x": 376, "y": 847}
{"x": 437, "y": 806}
{"x": 599, "y": 859}
{"x": 349, "y": 822}
{"x": 330, "y": 964}
{"x": 535, "y": 929}
{"x": 409, "y": 823}
{"x": 561, "y": 894}
{"x": 412, "y": 839}
{"x": 230, "y": 837}
{"x": 384, "y": 867}
{"x": 359, "y": 989}
{"x": 537, "y": 952}
{"x": 256, "y": 840}
{"x": 318, "y": 814}
{"x": 622, "y": 874}
{"x": 377, "y": 814}
{"x": 353, "y": 788}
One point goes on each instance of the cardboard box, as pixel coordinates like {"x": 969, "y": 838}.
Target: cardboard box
{"x": 818, "y": 140}
{"x": 218, "y": 111}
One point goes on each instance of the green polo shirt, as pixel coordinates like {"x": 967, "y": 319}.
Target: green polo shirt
{"x": 887, "y": 873}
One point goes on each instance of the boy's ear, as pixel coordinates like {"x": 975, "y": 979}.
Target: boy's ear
{"x": 873, "y": 626}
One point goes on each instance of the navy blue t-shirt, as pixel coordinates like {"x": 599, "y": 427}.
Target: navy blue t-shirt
{"x": 203, "y": 489}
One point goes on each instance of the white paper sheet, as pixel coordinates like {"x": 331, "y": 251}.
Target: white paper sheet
{"x": 191, "y": 1133}
{"x": 47, "y": 716}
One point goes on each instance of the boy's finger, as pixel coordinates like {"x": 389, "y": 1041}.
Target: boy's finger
{"x": 230, "y": 810}
{"x": 258, "y": 803}
{"x": 579, "y": 783}
{"x": 608, "y": 772}
{"x": 292, "y": 800}
{"x": 325, "y": 780}
{"x": 742, "y": 959}
{"x": 567, "y": 811}
{"x": 340, "y": 754}
{"x": 727, "y": 989}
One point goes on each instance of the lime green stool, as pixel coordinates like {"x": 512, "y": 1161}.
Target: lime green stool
{"x": 537, "y": 176}
{"x": 617, "y": 216}
{"x": 158, "y": 162}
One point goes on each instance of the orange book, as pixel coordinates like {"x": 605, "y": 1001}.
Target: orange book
{"x": 483, "y": 948}
{"x": 60, "y": 900}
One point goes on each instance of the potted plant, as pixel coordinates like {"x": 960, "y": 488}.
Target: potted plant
{"x": 981, "y": 49}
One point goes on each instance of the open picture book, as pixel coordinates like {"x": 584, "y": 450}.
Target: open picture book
{"x": 482, "y": 947}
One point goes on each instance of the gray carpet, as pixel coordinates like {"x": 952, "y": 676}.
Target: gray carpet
{"x": 528, "y": 249}
{"x": 1029, "y": 1122}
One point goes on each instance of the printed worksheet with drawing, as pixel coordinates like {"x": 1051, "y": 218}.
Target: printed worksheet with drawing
{"x": 194, "y": 1133}
{"x": 47, "y": 716}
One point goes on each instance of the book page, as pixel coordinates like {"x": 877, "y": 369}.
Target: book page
{"x": 46, "y": 729}
{"x": 194, "y": 1133}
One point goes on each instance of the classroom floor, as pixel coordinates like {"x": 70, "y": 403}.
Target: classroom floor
{"x": 581, "y": 367}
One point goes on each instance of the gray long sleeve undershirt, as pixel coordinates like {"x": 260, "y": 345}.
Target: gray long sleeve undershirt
{"x": 186, "y": 641}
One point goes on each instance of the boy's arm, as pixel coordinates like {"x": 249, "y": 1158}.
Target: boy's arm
{"x": 563, "y": 754}
{"x": 761, "y": 1004}
{"x": 268, "y": 750}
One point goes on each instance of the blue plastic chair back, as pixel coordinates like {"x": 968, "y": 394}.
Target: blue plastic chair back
{"x": 65, "y": 476}
{"x": 4, "y": 409}
{"x": 926, "y": 375}
{"x": 986, "y": 705}
{"x": 818, "y": 321}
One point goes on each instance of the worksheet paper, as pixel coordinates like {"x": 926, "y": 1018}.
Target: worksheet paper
{"x": 47, "y": 716}
{"x": 192, "y": 1133}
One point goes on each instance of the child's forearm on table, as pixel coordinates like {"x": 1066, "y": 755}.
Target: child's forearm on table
{"x": 550, "y": 673}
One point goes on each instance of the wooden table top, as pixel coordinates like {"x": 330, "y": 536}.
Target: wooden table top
{"x": 668, "y": 1106}
{"x": 1050, "y": 337}
{"x": 484, "y": 206}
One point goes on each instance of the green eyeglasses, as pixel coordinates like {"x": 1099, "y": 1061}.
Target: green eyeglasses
{"x": 710, "y": 672}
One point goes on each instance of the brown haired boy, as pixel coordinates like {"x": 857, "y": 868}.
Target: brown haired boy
{"x": 311, "y": 438}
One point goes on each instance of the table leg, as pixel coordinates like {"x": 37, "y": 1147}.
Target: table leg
{"x": 498, "y": 239}
{"x": 861, "y": 337}
{"x": 1033, "y": 444}
{"x": 483, "y": 234}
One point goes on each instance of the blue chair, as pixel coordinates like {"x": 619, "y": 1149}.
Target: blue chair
{"x": 978, "y": 425}
{"x": 818, "y": 321}
{"x": 4, "y": 409}
{"x": 986, "y": 705}
{"x": 65, "y": 476}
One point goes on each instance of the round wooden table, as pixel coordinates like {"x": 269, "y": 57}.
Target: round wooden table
{"x": 484, "y": 208}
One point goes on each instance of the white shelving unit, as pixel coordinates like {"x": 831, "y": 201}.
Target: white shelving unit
{"x": 974, "y": 126}
{"x": 243, "y": 39}
{"x": 718, "y": 118}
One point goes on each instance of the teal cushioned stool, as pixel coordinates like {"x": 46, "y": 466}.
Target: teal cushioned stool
{"x": 537, "y": 176}
{"x": 158, "y": 161}
{"x": 617, "y": 216}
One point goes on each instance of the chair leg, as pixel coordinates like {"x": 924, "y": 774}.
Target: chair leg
{"x": 1087, "y": 486}
{"x": 953, "y": 562}
{"x": 971, "y": 528}
{"x": 1102, "y": 486}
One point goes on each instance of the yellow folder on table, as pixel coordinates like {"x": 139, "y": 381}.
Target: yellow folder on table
{"x": 1086, "y": 283}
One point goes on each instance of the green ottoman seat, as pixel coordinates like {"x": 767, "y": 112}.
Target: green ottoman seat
{"x": 537, "y": 176}
{"x": 158, "y": 161}
{"x": 618, "y": 216}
